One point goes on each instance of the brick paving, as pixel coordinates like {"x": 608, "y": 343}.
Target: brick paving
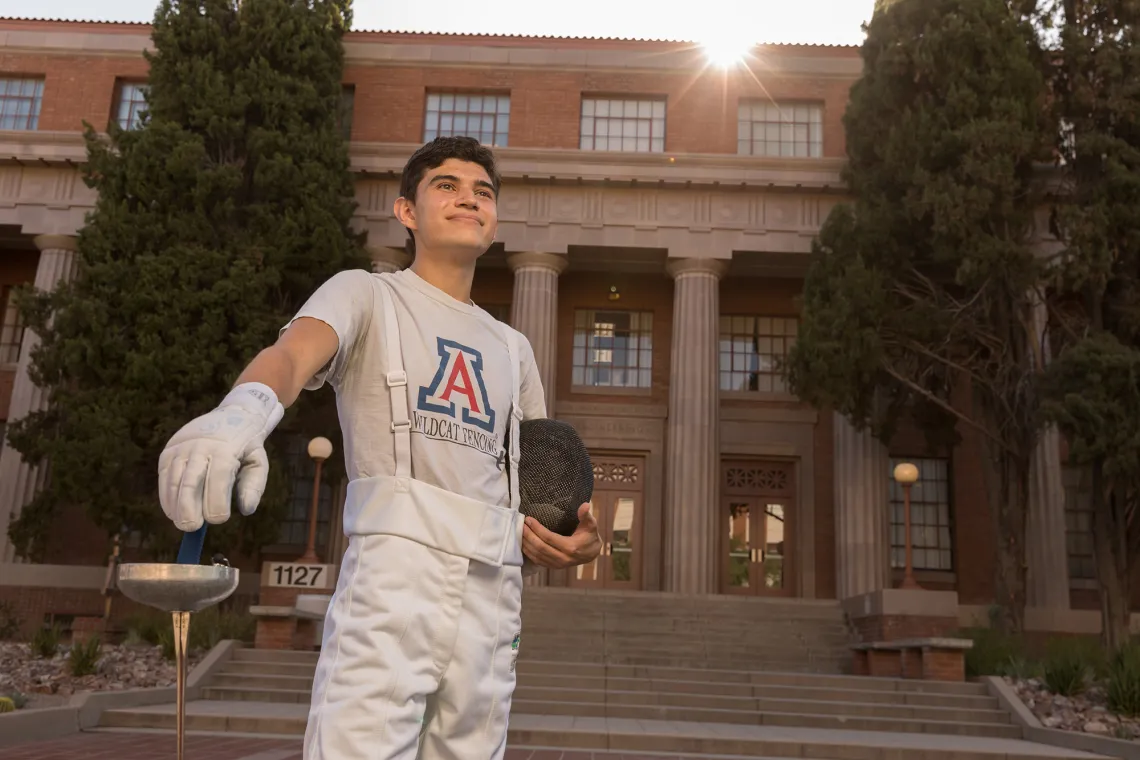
{"x": 160, "y": 746}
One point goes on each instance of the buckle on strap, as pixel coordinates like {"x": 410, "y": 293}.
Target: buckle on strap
{"x": 517, "y": 412}
{"x": 396, "y": 379}
{"x": 404, "y": 425}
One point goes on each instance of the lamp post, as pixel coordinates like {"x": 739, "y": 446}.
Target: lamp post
{"x": 320, "y": 448}
{"x": 906, "y": 474}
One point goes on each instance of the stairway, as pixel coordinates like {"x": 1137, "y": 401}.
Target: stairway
{"x": 659, "y": 673}
{"x": 718, "y": 632}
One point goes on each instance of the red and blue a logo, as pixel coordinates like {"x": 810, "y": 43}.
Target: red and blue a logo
{"x": 458, "y": 384}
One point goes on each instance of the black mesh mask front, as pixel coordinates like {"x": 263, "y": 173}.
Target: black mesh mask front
{"x": 555, "y": 474}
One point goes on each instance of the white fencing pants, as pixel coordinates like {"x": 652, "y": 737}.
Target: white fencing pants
{"x": 418, "y": 655}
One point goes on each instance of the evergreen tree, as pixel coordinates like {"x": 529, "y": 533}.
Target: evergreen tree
{"x": 919, "y": 291}
{"x": 215, "y": 219}
{"x": 1093, "y": 387}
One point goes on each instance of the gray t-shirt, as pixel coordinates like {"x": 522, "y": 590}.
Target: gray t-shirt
{"x": 459, "y": 378}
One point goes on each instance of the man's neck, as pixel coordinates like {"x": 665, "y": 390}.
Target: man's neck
{"x": 453, "y": 279}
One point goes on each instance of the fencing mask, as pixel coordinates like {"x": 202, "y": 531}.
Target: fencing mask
{"x": 555, "y": 474}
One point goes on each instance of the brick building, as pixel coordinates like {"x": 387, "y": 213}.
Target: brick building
{"x": 656, "y": 217}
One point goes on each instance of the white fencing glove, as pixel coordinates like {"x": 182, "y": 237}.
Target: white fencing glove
{"x": 201, "y": 463}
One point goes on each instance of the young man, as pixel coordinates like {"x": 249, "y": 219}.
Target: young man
{"x": 422, "y": 633}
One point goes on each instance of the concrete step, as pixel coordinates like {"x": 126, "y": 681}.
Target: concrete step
{"x": 759, "y": 678}
{"x": 270, "y": 667}
{"x": 840, "y": 720}
{"x": 854, "y": 701}
{"x": 742, "y": 643}
{"x": 757, "y": 704}
{"x": 629, "y": 735}
{"x": 562, "y": 700}
{"x": 815, "y": 662}
{"x": 711, "y": 688}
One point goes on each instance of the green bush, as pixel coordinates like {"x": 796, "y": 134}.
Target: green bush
{"x": 166, "y": 641}
{"x": 83, "y": 659}
{"x": 213, "y": 625}
{"x": 18, "y": 699}
{"x": 9, "y": 622}
{"x": 993, "y": 653}
{"x": 1021, "y": 667}
{"x": 7, "y": 705}
{"x": 147, "y": 626}
{"x": 1124, "y": 681}
{"x": 1066, "y": 667}
{"x": 45, "y": 641}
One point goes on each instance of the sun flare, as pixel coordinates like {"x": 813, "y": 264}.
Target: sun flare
{"x": 726, "y": 46}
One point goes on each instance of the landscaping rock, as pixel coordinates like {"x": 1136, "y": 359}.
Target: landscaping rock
{"x": 48, "y": 682}
{"x": 1085, "y": 713}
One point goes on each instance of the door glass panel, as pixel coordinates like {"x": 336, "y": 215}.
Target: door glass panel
{"x": 739, "y": 544}
{"x": 622, "y": 538}
{"x": 774, "y": 546}
{"x": 589, "y": 571}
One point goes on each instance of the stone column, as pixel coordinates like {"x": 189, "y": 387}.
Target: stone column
{"x": 534, "y": 310}
{"x": 388, "y": 259}
{"x": 534, "y": 313}
{"x": 20, "y": 481}
{"x": 862, "y": 521}
{"x": 693, "y": 445}
{"x": 1046, "y": 550}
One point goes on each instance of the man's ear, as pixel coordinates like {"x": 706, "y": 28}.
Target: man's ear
{"x": 405, "y": 212}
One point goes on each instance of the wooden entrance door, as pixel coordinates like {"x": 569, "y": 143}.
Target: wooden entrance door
{"x": 618, "y": 503}
{"x": 758, "y": 508}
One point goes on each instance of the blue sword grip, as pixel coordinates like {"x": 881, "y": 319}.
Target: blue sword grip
{"x": 190, "y": 552}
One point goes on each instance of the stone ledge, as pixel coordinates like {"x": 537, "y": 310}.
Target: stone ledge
{"x": 270, "y": 610}
{"x": 38, "y": 725}
{"x": 933, "y": 642}
{"x": 84, "y": 710}
{"x": 1011, "y": 703}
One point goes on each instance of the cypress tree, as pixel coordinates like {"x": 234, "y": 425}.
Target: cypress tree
{"x": 216, "y": 218}
{"x": 919, "y": 294}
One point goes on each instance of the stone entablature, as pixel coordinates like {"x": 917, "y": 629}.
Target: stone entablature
{"x": 551, "y": 200}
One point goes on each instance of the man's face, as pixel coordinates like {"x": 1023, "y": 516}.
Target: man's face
{"x": 455, "y": 213}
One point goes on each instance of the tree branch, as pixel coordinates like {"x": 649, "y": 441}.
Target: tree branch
{"x": 943, "y": 404}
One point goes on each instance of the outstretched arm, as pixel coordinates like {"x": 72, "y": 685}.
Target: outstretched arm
{"x": 302, "y": 350}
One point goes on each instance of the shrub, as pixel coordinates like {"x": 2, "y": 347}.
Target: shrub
{"x": 45, "y": 641}
{"x": 148, "y": 626}
{"x": 9, "y": 622}
{"x": 83, "y": 659}
{"x": 1066, "y": 668}
{"x": 1124, "y": 681}
{"x": 166, "y": 641}
{"x": 993, "y": 652}
{"x": 7, "y": 705}
{"x": 212, "y": 625}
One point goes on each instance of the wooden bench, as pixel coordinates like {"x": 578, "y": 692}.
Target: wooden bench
{"x": 928, "y": 659}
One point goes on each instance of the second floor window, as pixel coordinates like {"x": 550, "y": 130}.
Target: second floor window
{"x": 785, "y": 130}
{"x": 753, "y": 350}
{"x": 20, "y": 101}
{"x": 11, "y": 326}
{"x": 613, "y": 349}
{"x": 487, "y": 118}
{"x": 131, "y": 105}
{"x": 623, "y": 124}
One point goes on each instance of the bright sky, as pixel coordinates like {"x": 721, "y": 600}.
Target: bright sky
{"x": 786, "y": 21}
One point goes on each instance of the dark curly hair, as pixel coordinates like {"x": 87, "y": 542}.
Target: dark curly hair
{"x": 433, "y": 154}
